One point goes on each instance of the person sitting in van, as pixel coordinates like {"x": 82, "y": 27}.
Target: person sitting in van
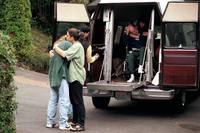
{"x": 135, "y": 49}
{"x": 143, "y": 32}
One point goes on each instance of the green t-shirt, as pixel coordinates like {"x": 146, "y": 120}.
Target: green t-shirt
{"x": 58, "y": 66}
{"x": 76, "y": 55}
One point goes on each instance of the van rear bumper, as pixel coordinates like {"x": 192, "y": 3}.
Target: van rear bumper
{"x": 139, "y": 94}
{"x": 153, "y": 94}
{"x": 130, "y": 92}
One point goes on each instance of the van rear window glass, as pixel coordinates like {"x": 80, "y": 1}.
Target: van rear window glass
{"x": 181, "y": 35}
{"x": 62, "y": 27}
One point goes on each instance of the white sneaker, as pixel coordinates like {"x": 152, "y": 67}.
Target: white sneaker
{"x": 140, "y": 69}
{"x": 68, "y": 127}
{"x": 51, "y": 125}
{"x": 132, "y": 78}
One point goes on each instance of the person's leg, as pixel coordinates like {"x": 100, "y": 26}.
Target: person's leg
{"x": 130, "y": 62}
{"x": 65, "y": 103}
{"x": 74, "y": 108}
{"x": 52, "y": 107}
{"x": 130, "y": 66}
{"x": 141, "y": 56}
{"x": 70, "y": 111}
{"x": 79, "y": 103}
{"x": 81, "y": 106}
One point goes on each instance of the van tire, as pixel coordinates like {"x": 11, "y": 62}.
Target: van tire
{"x": 100, "y": 102}
{"x": 178, "y": 103}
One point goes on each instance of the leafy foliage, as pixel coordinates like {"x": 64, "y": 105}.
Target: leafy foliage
{"x": 7, "y": 89}
{"x": 42, "y": 11}
{"x": 15, "y": 20}
{"x": 38, "y": 59}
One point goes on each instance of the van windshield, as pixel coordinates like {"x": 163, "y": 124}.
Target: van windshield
{"x": 181, "y": 35}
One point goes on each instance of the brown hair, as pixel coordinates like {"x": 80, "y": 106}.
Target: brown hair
{"x": 73, "y": 32}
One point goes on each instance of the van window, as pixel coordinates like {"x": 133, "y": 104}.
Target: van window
{"x": 181, "y": 35}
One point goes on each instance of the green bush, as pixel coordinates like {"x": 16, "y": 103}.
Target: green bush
{"x": 15, "y": 18}
{"x": 38, "y": 58}
{"x": 38, "y": 61}
{"x": 7, "y": 89}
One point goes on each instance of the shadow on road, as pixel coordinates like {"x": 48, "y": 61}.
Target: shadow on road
{"x": 150, "y": 108}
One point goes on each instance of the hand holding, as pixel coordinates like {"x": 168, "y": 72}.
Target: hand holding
{"x": 96, "y": 56}
{"x": 51, "y": 53}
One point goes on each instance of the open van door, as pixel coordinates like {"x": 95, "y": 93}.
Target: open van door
{"x": 67, "y": 15}
{"x": 180, "y": 45}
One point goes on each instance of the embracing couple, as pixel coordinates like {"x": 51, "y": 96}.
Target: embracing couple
{"x": 67, "y": 77}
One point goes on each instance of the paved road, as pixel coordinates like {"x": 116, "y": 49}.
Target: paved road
{"x": 120, "y": 117}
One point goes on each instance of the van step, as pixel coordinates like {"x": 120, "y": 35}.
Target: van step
{"x": 114, "y": 86}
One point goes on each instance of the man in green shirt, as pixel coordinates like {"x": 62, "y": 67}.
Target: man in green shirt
{"x": 59, "y": 89}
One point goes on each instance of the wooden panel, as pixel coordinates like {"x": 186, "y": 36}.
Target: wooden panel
{"x": 179, "y": 67}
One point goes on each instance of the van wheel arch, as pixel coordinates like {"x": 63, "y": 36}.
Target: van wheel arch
{"x": 179, "y": 102}
{"x": 100, "y": 102}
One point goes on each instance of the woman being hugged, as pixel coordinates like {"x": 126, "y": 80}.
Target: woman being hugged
{"x": 76, "y": 77}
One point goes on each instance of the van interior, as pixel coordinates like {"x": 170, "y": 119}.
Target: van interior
{"x": 123, "y": 14}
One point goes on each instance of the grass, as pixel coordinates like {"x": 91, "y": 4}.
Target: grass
{"x": 40, "y": 40}
{"x": 38, "y": 59}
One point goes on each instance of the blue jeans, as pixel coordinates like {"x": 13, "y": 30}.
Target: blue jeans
{"x": 62, "y": 95}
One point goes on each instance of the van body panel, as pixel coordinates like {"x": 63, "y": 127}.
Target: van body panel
{"x": 180, "y": 52}
{"x": 179, "y": 67}
{"x": 63, "y": 18}
{"x": 183, "y": 10}
{"x": 64, "y": 13}
{"x": 161, "y": 3}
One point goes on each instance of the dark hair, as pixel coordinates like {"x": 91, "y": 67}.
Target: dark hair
{"x": 85, "y": 29}
{"x": 74, "y": 33}
{"x": 133, "y": 22}
{"x": 142, "y": 20}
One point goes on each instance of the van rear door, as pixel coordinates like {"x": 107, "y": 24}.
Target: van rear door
{"x": 68, "y": 15}
{"x": 180, "y": 53}
{"x": 68, "y": 12}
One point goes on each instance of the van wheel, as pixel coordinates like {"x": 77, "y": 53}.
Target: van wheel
{"x": 100, "y": 102}
{"x": 180, "y": 102}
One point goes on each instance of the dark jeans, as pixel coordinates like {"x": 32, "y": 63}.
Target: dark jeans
{"x": 133, "y": 57}
{"x": 76, "y": 97}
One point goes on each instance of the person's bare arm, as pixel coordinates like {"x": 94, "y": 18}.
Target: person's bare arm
{"x": 90, "y": 58}
{"x": 62, "y": 38}
{"x": 135, "y": 36}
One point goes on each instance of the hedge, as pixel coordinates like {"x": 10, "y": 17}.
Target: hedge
{"x": 15, "y": 19}
{"x": 7, "y": 89}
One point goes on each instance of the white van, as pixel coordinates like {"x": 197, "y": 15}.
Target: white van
{"x": 171, "y": 57}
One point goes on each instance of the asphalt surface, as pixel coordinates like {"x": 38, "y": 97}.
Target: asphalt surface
{"x": 120, "y": 117}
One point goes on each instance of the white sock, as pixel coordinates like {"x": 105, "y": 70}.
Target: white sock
{"x": 140, "y": 69}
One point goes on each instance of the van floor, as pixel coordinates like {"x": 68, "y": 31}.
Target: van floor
{"x": 115, "y": 86}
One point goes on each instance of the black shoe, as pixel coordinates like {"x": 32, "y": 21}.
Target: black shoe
{"x": 77, "y": 128}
